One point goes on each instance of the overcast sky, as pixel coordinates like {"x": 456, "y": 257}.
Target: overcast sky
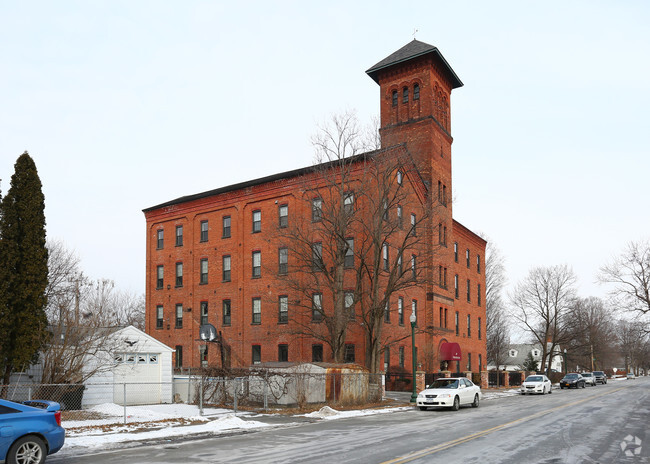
{"x": 124, "y": 105}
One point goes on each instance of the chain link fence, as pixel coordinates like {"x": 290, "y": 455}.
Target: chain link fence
{"x": 256, "y": 391}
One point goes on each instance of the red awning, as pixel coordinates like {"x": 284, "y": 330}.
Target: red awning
{"x": 450, "y": 352}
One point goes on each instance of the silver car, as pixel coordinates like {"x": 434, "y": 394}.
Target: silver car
{"x": 590, "y": 378}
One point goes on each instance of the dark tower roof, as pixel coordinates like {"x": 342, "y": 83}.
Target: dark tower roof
{"x": 414, "y": 49}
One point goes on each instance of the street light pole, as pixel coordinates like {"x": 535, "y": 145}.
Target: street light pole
{"x": 414, "y": 395}
{"x": 565, "y": 361}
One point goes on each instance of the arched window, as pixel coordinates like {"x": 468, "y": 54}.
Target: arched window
{"x": 405, "y": 95}
{"x": 416, "y": 92}
{"x": 394, "y": 97}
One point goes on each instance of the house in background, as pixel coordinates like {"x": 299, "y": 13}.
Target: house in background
{"x": 518, "y": 353}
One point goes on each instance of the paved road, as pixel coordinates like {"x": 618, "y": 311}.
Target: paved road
{"x": 569, "y": 426}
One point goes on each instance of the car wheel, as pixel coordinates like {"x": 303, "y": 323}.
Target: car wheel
{"x": 476, "y": 401}
{"x": 561, "y": 387}
{"x": 27, "y": 450}
{"x": 550, "y": 389}
{"x": 583, "y": 385}
{"x": 456, "y": 405}
{"x": 423, "y": 408}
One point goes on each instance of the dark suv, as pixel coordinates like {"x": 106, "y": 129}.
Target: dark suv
{"x": 600, "y": 377}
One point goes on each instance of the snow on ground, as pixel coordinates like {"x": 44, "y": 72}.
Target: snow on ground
{"x": 105, "y": 440}
{"x": 328, "y": 413}
{"x": 494, "y": 394}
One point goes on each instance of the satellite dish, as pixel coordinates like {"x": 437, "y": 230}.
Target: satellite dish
{"x": 207, "y": 332}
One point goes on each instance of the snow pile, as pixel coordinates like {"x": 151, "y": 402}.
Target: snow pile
{"x": 327, "y": 413}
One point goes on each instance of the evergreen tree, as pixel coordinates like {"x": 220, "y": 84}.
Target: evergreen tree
{"x": 530, "y": 364}
{"x": 23, "y": 270}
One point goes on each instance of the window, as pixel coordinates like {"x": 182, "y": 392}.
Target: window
{"x": 414, "y": 309}
{"x": 225, "y": 230}
{"x": 414, "y": 266}
{"x": 469, "y": 298}
{"x": 349, "y": 253}
{"x": 179, "y": 274}
{"x": 283, "y": 260}
{"x": 399, "y": 216}
{"x": 204, "y": 271}
{"x": 159, "y": 317}
{"x": 317, "y": 209}
{"x": 384, "y": 256}
{"x": 204, "y": 231}
{"x": 348, "y": 202}
{"x": 257, "y": 310}
{"x": 478, "y": 294}
{"x": 440, "y": 242}
{"x": 226, "y": 312}
{"x": 386, "y": 358}
{"x": 399, "y": 262}
{"x": 317, "y": 256}
{"x": 283, "y": 216}
{"x": 440, "y": 318}
{"x": 283, "y": 353}
{"x": 203, "y": 355}
{"x": 394, "y": 97}
{"x": 257, "y": 354}
{"x": 226, "y": 268}
{"x": 444, "y": 194}
{"x": 160, "y": 239}
{"x": 401, "y": 356}
{"x": 413, "y": 224}
{"x": 257, "y": 221}
{"x": 467, "y": 257}
{"x": 478, "y": 327}
{"x": 348, "y": 356}
{"x": 317, "y": 307}
{"x": 160, "y": 273}
{"x": 179, "y": 236}
{"x": 480, "y": 362}
{"x": 457, "y": 324}
{"x": 444, "y": 277}
{"x": 456, "y": 251}
{"x": 416, "y": 91}
{"x": 317, "y": 353}
{"x": 440, "y": 276}
{"x": 478, "y": 263}
{"x": 179, "y": 316}
{"x": 405, "y": 95}
{"x": 469, "y": 325}
{"x": 456, "y": 285}
{"x": 283, "y": 309}
{"x": 349, "y": 304}
{"x": 204, "y": 312}
{"x": 178, "y": 361}
{"x": 444, "y": 235}
{"x": 445, "y": 318}
{"x": 387, "y": 312}
{"x": 384, "y": 215}
{"x": 399, "y": 177}
{"x": 400, "y": 310}
{"x": 469, "y": 361}
{"x": 257, "y": 264}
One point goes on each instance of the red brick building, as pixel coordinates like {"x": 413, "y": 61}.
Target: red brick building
{"x": 223, "y": 257}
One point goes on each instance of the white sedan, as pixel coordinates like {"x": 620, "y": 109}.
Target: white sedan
{"x": 450, "y": 393}
{"x": 536, "y": 384}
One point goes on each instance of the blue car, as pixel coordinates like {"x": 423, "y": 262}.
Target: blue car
{"x": 29, "y": 431}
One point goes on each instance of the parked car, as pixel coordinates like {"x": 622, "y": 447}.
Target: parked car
{"x": 450, "y": 393}
{"x": 590, "y": 378}
{"x": 536, "y": 384}
{"x": 572, "y": 380}
{"x": 630, "y": 376}
{"x": 30, "y": 431}
{"x": 600, "y": 377}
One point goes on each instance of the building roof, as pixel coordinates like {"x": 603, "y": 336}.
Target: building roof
{"x": 264, "y": 180}
{"x": 412, "y": 50}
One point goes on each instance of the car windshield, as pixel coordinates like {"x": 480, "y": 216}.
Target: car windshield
{"x": 571, "y": 376}
{"x": 534, "y": 378}
{"x": 587, "y": 374}
{"x": 599, "y": 373}
{"x": 444, "y": 383}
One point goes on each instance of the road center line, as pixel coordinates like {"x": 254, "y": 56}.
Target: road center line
{"x": 458, "y": 441}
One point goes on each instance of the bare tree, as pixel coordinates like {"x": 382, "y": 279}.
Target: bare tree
{"x": 356, "y": 249}
{"x": 590, "y": 333}
{"x": 82, "y": 316}
{"x": 541, "y": 302}
{"x": 630, "y": 275}
{"x": 633, "y": 345}
{"x": 497, "y": 325}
